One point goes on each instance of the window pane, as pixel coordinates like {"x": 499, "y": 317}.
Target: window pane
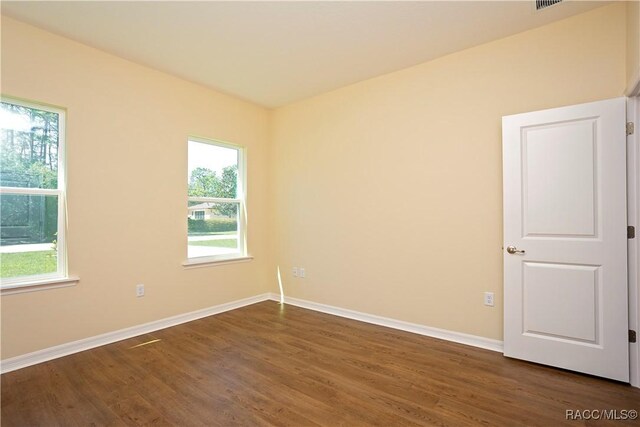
{"x": 213, "y": 171}
{"x": 28, "y": 147}
{"x": 28, "y": 235}
{"x": 213, "y": 229}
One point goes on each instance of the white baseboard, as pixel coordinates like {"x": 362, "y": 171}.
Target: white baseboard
{"x": 66, "y": 349}
{"x": 443, "y": 334}
{"x": 61, "y": 350}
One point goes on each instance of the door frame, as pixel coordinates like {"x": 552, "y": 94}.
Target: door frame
{"x": 633, "y": 218}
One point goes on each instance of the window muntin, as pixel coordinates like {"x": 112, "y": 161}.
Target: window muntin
{"x": 215, "y": 205}
{"x": 32, "y": 193}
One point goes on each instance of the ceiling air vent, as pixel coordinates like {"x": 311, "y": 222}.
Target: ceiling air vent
{"x": 543, "y": 4}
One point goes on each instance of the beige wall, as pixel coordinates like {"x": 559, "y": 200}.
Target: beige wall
{"x": 389, "y": 191}
{"x": 127, "y": 129}
{"x": 633, "y": 44}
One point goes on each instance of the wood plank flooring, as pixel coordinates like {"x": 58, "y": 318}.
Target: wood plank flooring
{"x": 273, "y": 365}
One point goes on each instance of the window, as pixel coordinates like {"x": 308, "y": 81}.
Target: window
{"x": 216, "y": 204}
{"x": 32, "y": 193}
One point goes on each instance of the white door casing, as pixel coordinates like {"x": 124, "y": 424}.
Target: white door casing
{"x": 565, "y": 297}
{"x": 633, "y": 197}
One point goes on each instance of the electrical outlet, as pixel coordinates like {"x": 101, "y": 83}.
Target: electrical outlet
{"x": 301, "y": 272}
{"x": 140, "y": 290}
{"x": 488, "y": 299}
{"x": 295, "y": 271}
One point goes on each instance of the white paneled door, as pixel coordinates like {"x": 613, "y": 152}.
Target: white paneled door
{"x": 565, "y": 238}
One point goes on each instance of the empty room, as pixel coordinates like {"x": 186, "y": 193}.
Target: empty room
{"x": 319, "y": 213}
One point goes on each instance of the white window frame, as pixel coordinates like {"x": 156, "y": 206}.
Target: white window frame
{"x": 60, "y": 277}
{"x": 241, "y": 193}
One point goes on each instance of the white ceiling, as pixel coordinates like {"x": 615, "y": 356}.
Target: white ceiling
{"x": 274, "y": 53}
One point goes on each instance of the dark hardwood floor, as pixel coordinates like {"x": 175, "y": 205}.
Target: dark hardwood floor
{"x": 268, "y": 364}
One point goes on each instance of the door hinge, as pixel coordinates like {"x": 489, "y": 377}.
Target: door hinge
{"x": 632, "y": 335}
{"x": 631, "y": 232}
{"x": 630, "y": 128}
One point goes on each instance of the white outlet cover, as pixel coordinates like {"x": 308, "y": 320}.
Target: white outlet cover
{"x": 489, "y": 299}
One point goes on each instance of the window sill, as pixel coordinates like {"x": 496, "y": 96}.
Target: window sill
{"x": 205, "y": 262}
{"x": 38, "y": 285}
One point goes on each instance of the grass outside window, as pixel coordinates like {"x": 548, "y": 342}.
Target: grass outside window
{"x": 28, "y": 263}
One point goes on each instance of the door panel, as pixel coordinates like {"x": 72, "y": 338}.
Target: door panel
{"x": 547, "y": 151}
{"x": 560, "y": 300}
{"x": 565, "y": 207}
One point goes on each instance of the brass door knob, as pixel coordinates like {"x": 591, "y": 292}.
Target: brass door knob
{"x": 513, "y": 250}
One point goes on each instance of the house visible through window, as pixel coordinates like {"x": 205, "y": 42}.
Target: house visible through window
{"x": 215, "y": 206}
{"x": 32, "y": 193}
